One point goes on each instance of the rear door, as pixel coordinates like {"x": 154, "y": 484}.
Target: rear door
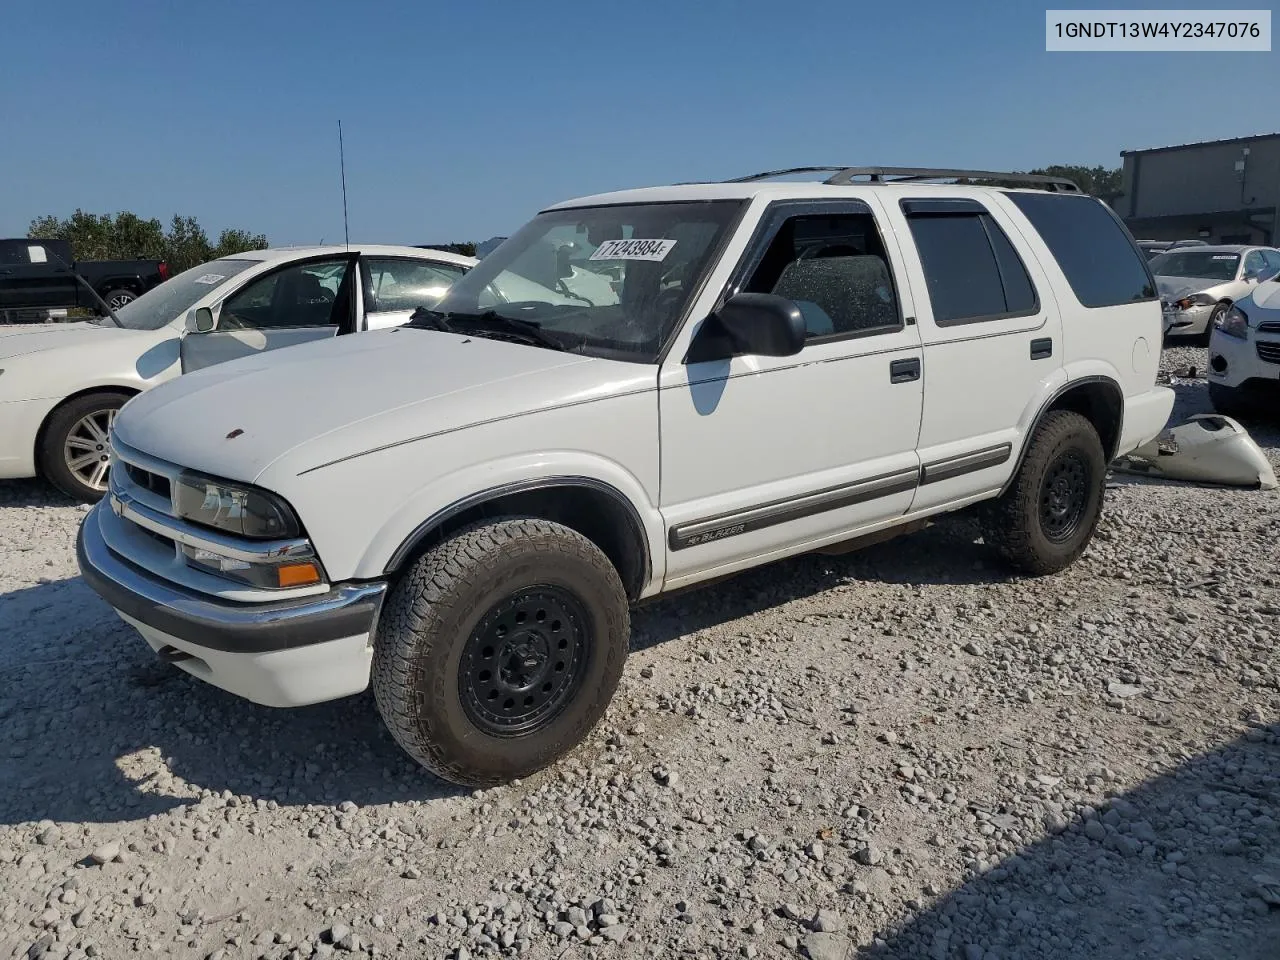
{"x": 991, "y": 335}
{"x": 299, "y": 302}
{"x": 31, "y": 276}
{"x": 396, "y": 286}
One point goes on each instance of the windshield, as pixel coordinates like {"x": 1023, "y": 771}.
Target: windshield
{"x": 1196, "y": 263}
{"x": 608, "y": 281}
{"x": 174, "y": 297}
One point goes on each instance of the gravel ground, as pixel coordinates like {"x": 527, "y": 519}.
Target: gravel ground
{"x": 900, "y": 753}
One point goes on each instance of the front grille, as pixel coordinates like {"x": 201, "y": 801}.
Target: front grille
{"x": 147, "y": 480}
{"x": 1269, "y": 351}
{"x": 1269, "y": 326}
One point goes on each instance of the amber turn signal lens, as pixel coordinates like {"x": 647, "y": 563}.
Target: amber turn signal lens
{"x": 297, "y": 574}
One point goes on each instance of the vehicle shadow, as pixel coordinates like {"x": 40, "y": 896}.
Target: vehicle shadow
{"x": 949, "y": 552}
{"x": 31, "y": 493}
{"x": 1175, "y": 869}
{"x": 86, "y": 707}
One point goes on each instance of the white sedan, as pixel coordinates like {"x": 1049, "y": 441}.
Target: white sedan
{"x": 61, "y": 384}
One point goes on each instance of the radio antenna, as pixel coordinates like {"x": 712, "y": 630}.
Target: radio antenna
{"x": 342, "y": 163}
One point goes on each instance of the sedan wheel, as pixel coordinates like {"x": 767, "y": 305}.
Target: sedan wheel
{"x": 87, "y": 449}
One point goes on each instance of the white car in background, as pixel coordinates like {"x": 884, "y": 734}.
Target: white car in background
{"x": 1198, "y": 284}
{"x": 1244, "y": 355}
{"x": 61, "y": 385}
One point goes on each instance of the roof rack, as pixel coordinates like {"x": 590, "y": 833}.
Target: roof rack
{"x": 844, "y": 176}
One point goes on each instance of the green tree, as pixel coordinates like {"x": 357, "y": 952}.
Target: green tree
{"x": 1101, "y": 182}
{"x": 126, "y": 236}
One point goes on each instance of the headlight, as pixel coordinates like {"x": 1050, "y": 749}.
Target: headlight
{"x": 1195, "y": 300}
{"x": 1234, "y": 323}
{"x": 242, "y": 510}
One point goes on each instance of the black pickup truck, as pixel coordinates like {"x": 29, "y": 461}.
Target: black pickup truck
{"x": 37, "y": 282}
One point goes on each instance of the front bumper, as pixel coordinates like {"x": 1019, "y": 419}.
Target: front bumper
{"x": 1234, "y": 362}
{"x": 281, "y": 653}
{"x": 1194, "y": 320}
{"x": 20, "y": 422}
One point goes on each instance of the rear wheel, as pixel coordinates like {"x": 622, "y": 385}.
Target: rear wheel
{"x": 75, "y": 452}
{"x": 500, "y": 649}
{"x": 118, "y": 298}
{"x": 1044, "y": 521}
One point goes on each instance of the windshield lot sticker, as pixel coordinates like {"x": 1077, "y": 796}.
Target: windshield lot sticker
{"x": 210, "y": 278}
{"x": 633, "y": 250}
{"x": 1229, "y": 256}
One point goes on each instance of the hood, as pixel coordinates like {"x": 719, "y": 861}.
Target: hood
{"x": 310, "y": 405}
{"x": 19, "y": 339}
{"x": 1266, "y": 295}
{"x": 1174, "y": 288}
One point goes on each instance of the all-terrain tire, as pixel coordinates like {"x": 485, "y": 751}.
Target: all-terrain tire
{"x": 1047, "y": 517}
{"x": 52, "y": 453}
{"x": 443, "y": 609}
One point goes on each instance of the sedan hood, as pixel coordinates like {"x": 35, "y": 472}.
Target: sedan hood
{"x": 307, "y": 406}
{"x": 16, "y": 340}
{"x": 1174, "y": 288}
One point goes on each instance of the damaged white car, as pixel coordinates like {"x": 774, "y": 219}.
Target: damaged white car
{"x": 1198, "y": 285}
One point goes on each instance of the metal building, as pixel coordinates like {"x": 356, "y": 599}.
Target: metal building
{"x": 1222, "y": 191}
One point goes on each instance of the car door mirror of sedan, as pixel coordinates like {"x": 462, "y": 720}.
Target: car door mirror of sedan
{"x": 758, "y": 324}
{"x": 201, "y": 320}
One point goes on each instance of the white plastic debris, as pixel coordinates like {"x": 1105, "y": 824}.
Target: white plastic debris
{"x": 1208, "y": 448}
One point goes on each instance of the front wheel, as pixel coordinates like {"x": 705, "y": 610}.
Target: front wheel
{"x": 1044, "y": 521}
{"x": 75, "y": 450}
{"x": 500, "y": 649}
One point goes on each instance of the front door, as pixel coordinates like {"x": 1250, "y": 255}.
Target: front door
{"x": 396, "y": 286}
{"x": 31, "y": 276}
{"x": 764, "y": 455}
{"x": 297, "y": 303}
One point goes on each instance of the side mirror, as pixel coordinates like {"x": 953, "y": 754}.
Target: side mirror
{"x": 759, "y": 324}
{"x": 201, "y": 321}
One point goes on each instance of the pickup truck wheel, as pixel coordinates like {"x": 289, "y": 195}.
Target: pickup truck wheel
{"x": 74, "y": 449}
{"x": 1047, "y": 517}
{"x": 118, "y": 298}
{"x": 500, "y": 649}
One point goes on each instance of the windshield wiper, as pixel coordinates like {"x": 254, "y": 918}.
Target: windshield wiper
{"x": 422, "y": 317}
{"x": 490, "y": 320}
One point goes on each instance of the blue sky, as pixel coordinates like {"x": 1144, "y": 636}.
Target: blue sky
{"x": 462, "y": 119}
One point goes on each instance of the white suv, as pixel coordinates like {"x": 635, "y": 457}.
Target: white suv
{"x": 464, "y": 508}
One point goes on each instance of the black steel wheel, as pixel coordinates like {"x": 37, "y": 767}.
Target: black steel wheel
{"x": 1064, "y": 495}
{"x": 1047, "y": 516}
{"x": 524, "y": 661}
{"x": 499, "y": 649}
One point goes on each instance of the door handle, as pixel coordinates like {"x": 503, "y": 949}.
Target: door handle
{"x": 1041, "y": 348}
{"x": 904, "y": 371}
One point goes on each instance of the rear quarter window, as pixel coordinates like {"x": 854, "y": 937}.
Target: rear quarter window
{"x": 1099, "y": 258}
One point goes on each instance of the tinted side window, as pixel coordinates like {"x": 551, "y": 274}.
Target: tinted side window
{"x": 1254, "y": 264}
{"x": 834, "y": 268}
{"x": 302, "y": 295}
{"x": 1091, "y": 246}
{"x": 971, "y": 268}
